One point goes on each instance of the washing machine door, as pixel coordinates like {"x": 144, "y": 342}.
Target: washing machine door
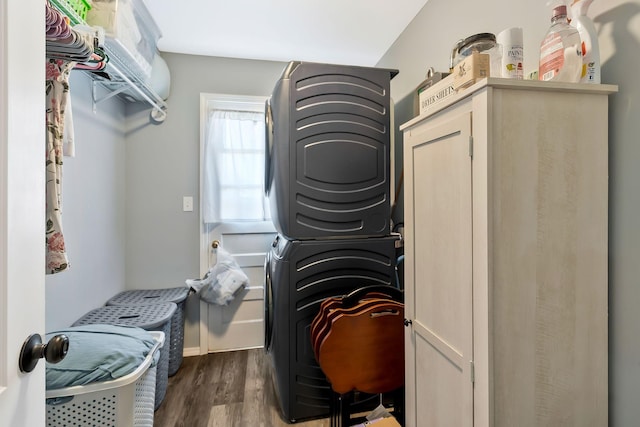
{"x": 268, "y": 303}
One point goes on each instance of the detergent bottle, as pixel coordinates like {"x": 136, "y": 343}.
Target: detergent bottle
{"x": 589, "y": 41}
{"x": 560, "y": 50}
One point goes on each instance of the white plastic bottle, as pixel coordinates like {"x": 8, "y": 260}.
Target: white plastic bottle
{"x": 511, "y": 44}
{"x": 589, "y": 37}
{"x": 560, "y": 51}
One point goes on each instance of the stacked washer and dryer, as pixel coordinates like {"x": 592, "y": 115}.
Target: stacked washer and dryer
{"x": 328, "y": 138}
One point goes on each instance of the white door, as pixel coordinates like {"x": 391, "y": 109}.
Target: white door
{"x": 438, "y": 276}
{"x": 21, "y": 207}
{"x": 236, "y": 149}
{"x": 239, "y": 325}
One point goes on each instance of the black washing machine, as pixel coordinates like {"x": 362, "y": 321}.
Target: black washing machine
{"x": 299, "y": 275}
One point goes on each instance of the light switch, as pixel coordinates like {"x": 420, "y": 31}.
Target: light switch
{"x": 187, "y": 204}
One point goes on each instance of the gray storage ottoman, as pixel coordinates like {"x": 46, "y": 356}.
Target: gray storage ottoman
{"x": 154, "y": 296}
{"x": 156, "y": 317}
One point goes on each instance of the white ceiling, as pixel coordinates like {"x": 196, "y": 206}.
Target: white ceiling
{"x": 356, "y": 32}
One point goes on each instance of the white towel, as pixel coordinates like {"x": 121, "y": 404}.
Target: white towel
{"x": 222, "y": 282}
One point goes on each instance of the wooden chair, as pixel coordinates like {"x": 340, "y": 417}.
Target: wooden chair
{"x": 359, "y": 344}
{"x": 322, "y": 322}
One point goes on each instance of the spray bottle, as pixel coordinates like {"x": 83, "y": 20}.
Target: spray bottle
{"x": 589, "y": 37}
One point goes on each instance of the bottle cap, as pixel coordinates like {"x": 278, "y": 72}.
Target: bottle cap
{"x": 560, "y": 10}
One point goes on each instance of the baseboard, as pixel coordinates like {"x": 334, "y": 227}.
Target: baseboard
{"x": 249, "y": 347}
{"x": 191, "y": 351}
{"x": 195, "y": 351}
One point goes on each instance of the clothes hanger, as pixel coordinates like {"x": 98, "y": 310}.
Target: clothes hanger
{"x": 64, "y": 42}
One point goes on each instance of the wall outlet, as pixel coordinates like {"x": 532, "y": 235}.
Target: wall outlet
{"x": 187, "y": 204}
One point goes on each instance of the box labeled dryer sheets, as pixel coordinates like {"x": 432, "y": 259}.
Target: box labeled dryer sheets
{"x": 435, "y": 94}
{"x": 464, "y": 74}
{"x": 432, "y": 78}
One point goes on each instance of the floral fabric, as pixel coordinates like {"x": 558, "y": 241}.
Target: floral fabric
{"x": 57, "y": 94}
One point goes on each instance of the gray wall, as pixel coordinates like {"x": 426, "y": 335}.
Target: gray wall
{"x": 162, "y": 161}
{"x": 426, "y": 42}
{"x": 93, "y": 209}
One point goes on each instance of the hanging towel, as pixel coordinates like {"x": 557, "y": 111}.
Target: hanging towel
{"x": 68, "y": 141}
{"x": 57, "y": 89}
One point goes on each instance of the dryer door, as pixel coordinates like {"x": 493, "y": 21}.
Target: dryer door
{"x": 268, "y": 141}
{"x": 268, "y": 303}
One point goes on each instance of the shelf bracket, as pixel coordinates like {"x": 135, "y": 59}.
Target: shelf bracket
{"x": 111, "y": 94}
{"x": 159, "y": 113}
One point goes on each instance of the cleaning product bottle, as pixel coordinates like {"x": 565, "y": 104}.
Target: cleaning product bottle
{"x": 589, "y": 36}
{"x": 510, "y": 41}
{"x": 560, "y": 51}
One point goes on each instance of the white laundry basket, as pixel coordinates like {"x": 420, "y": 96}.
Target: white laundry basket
{"x": 124, "y": 402}
{"x": 156, "y": 317}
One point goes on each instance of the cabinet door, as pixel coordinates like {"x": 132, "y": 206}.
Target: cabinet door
{"x": 438, "y": 250}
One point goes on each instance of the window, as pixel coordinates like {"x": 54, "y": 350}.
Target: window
{"x": 233, "y": 159}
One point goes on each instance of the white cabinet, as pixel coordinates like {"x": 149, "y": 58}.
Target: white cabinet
{"x": 506, "y": 257}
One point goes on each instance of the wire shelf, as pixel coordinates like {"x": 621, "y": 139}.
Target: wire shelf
{"x": 122, "y": 70}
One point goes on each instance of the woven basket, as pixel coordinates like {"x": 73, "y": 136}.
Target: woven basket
{"x": 154, "y": 296}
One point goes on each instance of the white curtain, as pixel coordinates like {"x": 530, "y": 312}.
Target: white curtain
{"x": 233, "y": 167}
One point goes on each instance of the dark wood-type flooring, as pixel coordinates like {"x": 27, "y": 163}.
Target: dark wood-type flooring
{"x": 230, "y": 389}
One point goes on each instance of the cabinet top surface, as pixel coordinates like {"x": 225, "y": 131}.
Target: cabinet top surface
{"x": 498, "y": 83}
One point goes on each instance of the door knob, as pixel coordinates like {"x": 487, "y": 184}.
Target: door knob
{"x": 33, "y": 350}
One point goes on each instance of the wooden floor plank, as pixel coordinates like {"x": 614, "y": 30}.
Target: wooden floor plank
{"x": 225, "y": 415}
{"x": 230, "y": 381}
{"x": 229, "y": 389}
{"x": 256, "y": 405}
{"x": 172, "y": 410}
